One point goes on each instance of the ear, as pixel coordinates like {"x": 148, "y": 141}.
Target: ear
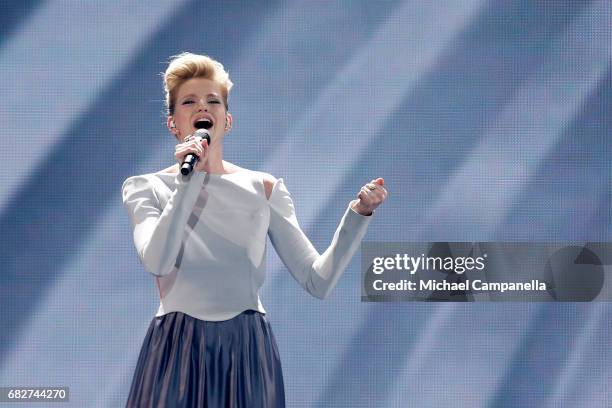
{"x": 228, "y": 122}
{"x": 172, "y": 127}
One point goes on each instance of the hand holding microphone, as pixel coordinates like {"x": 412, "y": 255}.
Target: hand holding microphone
{"x": 192, "y": 152}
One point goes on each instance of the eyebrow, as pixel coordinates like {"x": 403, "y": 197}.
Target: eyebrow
{"x": 192, "y": 95}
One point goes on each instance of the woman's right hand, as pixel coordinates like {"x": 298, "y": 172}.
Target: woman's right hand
{"x": 194, "y": 145}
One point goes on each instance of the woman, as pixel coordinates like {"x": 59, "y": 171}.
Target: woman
{"x": 203, "y": 236}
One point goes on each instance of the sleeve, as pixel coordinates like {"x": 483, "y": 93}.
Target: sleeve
{"x": 158, "y": 232}
{"x": 317, "y": 273}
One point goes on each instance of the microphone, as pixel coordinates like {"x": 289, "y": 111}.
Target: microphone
{"x": 191, "y": 159}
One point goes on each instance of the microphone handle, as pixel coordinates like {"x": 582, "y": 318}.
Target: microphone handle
{"x": 188, "y": 164}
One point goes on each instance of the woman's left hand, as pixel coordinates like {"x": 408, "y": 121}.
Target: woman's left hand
{"x": 370, "y": 196}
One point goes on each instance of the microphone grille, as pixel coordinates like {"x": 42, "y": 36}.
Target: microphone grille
{"x": 203, "y": 133}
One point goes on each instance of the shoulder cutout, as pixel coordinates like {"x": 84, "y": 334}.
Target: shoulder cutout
{"x": 268, "y": 181}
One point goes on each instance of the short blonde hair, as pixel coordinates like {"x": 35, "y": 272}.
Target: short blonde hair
{"x": 186, "y": 66}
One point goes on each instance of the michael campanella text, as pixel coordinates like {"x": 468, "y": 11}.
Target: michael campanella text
{"x": 443, "y": 285}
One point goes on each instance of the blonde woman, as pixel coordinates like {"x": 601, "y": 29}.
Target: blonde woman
{"x": 203, "y": 237}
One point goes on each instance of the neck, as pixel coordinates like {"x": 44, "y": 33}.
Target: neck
{"x": 214, "y": 158}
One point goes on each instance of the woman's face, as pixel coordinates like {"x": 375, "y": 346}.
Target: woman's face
{"x": 199, "y": 103}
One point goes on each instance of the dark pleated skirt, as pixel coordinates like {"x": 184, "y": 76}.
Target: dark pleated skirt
{"x": 187, "y": 362}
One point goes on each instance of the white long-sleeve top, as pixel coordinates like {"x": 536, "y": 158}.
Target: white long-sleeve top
{"x": 204, "y": 238}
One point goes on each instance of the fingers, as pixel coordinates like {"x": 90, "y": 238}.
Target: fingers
{"x": 372, "y": 194}
{"x": 378, "y": 182}
{"x": 376, "y": 186}
{"x": 202, "y": 158}
{"x": 196, "y": 146}
{"x": 362, "y": 196}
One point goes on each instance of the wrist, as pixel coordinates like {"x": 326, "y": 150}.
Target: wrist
{"x": 360, "y": 209}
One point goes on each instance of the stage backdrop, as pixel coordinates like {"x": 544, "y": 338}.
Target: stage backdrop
{"x": 489, "y": 120}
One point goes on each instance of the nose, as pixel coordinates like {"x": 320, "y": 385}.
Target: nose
{"x": 202, "y": 105}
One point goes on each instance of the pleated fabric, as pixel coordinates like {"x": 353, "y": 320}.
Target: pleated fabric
{"x": 187, "y": 362}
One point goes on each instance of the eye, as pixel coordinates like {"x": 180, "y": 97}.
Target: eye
{"x": 214, "y": 101}
{"x": 187, "y": 102}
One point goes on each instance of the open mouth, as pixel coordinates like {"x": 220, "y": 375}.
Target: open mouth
{"x": 203, "y": 123}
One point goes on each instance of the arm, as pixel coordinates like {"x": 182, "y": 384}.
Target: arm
{"x": 158, "y": 233}
{"x": 317, "y": 273}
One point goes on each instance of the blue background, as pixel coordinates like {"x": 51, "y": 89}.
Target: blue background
{"x": 489, "y": 121}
